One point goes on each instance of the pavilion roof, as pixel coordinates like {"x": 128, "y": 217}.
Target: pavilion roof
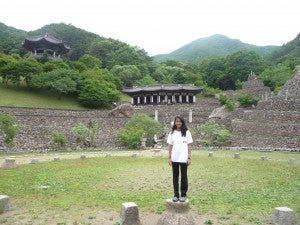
{"x": 45, "y": 42}
{"x": 163, "y": 88}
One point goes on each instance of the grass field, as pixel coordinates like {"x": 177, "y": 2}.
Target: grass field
{"x": 23, "y": 97}
{"x": 246, "y": 189}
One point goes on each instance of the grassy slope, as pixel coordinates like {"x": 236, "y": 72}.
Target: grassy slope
{"x": 23, "y": 97}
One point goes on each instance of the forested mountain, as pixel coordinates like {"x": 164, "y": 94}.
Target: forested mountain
{"x": 291, "y": 49}
{"x": 216, "y": 45}
{"x": 11, "y": 39}
{"x": 214, "y": 63}
{"x": 111, "y": 52}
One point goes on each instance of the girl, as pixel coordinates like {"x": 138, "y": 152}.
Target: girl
{"x": 179, "y": 144}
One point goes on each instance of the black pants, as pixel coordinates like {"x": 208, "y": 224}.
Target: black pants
{"x": 183, "y": 181}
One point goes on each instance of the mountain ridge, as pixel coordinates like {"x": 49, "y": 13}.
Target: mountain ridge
{"x": 212, "y": 46}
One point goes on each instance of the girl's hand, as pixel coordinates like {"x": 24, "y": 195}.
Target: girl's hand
{"x": 189, "y": 161}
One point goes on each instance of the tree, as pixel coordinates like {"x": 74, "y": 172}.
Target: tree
{"x": 61, "y": 81}
{"x": 98, "y": 94}
{"x": 239, "y": 65}
{"x": 91, "y": 62}
{"x": 215, "y": 134}
{"x": 127, "y": 74}
{"x": 140, "y": 125}
{"x": 10, "y": 128}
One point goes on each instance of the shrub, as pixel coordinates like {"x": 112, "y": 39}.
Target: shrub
{"x": 80, "y": 132}
{"x": 140, "y": 125}
{"x": 59, "y": 139}
{"x": 10, "y": 128}
{"x": 215, "y": 134}
{"x": 247, "y": 100}
{"x": 228, "y": 102}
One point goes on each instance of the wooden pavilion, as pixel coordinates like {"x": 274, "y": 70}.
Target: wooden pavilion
{"x": 163, "y": 94}
{"x": 38, "y": 45}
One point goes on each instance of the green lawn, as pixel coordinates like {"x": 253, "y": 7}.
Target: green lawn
{"x": 23, "y": 97}
{"x": 247, "y": 188}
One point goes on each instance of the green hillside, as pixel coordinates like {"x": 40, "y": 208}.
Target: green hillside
{"x": 22, "y": 97}
{"x": 216, "y": 45}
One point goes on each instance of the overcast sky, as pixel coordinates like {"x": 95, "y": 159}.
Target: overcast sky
{"x": 162, "y": 26}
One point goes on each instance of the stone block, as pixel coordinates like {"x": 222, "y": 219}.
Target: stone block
{"x": 210, "y": 154}
{"x": 284, "y": 216}
{"x": 34, "y": 161}
{"x": 82, "y": 156}
{"x": 9, "y": 163}
{"x": 177, "y": 213}
{"x": 4, "y": 203}
{"x": 293, "y": 161}
{"x": 264, "y": 158}
{"x": 237, "y": 156}
{"x": 129, "y": 214}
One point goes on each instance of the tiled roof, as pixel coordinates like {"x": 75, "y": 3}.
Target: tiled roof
{"x": 162, "y": 88}
{"x": 34, "y": 42}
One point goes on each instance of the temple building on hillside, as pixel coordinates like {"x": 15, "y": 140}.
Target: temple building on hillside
{"x": 163, "y": 94}
{"x": 38, "y": 45}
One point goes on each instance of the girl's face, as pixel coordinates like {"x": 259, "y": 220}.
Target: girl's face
{"x": 178, "y": 123}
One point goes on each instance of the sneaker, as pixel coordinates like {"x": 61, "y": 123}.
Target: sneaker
{"x": 175, "y": 199}
{"x": 182, "y": 199}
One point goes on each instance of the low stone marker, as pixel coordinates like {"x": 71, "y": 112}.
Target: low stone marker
{"x": 9, "y": 163}
{"x": 284, "y": 216}
{"x": 292, "y": 161}
{"x": 157, "y": 153}
{"x": 34, "y": 161}
{"x": 177, "y": 213}
{"x": 264, "y": 158}
{"x": 56, "y": 159}
{"x": 236, "y": 156}
{"x": 4, "y": 203}
{"x": 210, "y": 154}
{"x": 82, "y": 156}
{"x": 129, "y": 214}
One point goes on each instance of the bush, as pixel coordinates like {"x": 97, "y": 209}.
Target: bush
{"x": 139, "y": 126}
{"x": 215, "y": 134}
{"x": 247, "y": 100}
{"x": 10, "y": 128}
{"x": 80, "y": 132}
{"x": 228, "y": 102}
{"x": 59, "y": 139}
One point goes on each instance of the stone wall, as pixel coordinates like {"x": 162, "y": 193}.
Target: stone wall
{"x": 37, "y": 125}
{"x": 274, "y": 123}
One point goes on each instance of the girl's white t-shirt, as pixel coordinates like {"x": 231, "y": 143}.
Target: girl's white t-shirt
{"x": 180, "y": 145}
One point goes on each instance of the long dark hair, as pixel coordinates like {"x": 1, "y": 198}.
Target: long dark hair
{"x": 183, "y": 127}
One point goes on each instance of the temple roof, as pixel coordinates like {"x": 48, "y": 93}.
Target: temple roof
{"x": 45, "y": 42}
{"x": 163, "y": 88}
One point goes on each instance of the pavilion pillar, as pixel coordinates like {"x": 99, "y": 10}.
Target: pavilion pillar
{"x": 190, "y": 116}
{"x": 173, "y": 98}
{"x": 180, "y": 98}
{"x": 138, "y": 100}
{"x": 145, "y": 99}
{"x": 151, "y": 99}
{"x": 187, "y": 98}
{"x": 166, "y": 98}
{"x": 194, "y": 98}
{"x": 132, "y": 100}
{"x": 158, "y": 99}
